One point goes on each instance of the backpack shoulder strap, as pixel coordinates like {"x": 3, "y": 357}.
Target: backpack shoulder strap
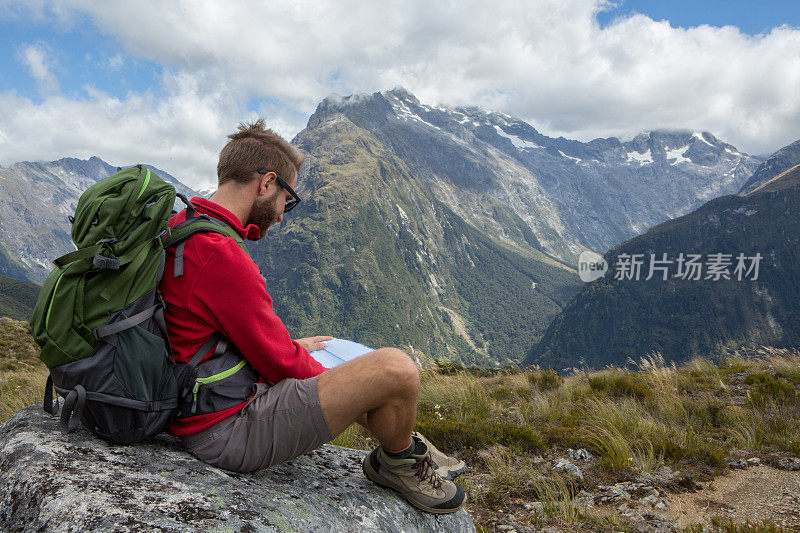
{"x": 197, "y": 224}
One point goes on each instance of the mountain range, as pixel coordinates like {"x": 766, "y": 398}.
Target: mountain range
{"x": 447, "y": 230}
{"x": 571, "y": 195}
{"x": 743, "y": 289}
{"x": 781, "y": 161}
{"x": 35, "y": 200}
{"x": 451, "y": 232}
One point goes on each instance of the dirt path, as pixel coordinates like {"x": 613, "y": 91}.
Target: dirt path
{"x": 756, "y": 493}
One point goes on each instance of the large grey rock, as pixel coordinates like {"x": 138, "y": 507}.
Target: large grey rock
{"x": 52, "y": 482}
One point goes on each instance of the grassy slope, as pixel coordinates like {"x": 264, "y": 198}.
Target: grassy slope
{"x": 690, "y": 418}
{"x": 22, "y": 375}
{"x": 17, "y": 298}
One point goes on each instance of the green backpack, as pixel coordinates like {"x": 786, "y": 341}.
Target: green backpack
{"x": 99, "y": 317}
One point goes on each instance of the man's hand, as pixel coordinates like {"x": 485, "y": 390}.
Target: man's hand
{"x": 314, "y": 343}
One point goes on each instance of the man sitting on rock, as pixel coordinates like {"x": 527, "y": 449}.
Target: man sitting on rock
{"x": 298, "y": 404}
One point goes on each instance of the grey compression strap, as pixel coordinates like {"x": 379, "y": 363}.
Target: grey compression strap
{"x": 202, "y": 351}
{"x": 140, "y": 405}
{"x": 48, "y": 405}
{"x": 179, "y": 259}
{"x": 161, "y": 265}
{"x": 116, "y": 327}
{"x": 221, "y": 346}
{"x": 73, "y": 409}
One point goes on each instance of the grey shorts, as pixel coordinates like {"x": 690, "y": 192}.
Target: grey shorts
{"x": 278, "y": 423}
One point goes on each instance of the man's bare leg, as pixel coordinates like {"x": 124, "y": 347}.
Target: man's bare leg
{"x": 380, "y": 389}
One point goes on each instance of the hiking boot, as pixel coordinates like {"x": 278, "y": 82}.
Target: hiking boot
{"x": 415, "y": 478}
{"x": 446, "y": 466}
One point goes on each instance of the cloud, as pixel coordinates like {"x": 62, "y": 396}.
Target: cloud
{"x": 548, "y": 62}
{"x": 38, "y": 59}
{"x": 181, "y": 132}
{"x": 116, "y": 62}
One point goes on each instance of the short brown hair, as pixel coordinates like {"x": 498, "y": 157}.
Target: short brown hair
{"x": 253, "y": 147}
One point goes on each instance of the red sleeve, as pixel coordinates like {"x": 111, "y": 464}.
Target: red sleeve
{"x": 231, "y": 290}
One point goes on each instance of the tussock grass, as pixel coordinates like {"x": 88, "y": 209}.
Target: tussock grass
{"x": 356, "y": 437}
{"x": 460, "y": 396}
{"x": 725, "y": 525}
{"x": 510, "y": 475}
{"x": 557, "y": 495}
{"x": 460, "y": 411}
{"x": 622, "y": 435}
{"x": 691, "y": 417}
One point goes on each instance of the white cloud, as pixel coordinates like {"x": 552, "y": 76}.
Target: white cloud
{"x": 116, "y": 62}
{"x": 181, "y": 133}
{"x": 548, "y": 62}
{"x": 38, "y": 59}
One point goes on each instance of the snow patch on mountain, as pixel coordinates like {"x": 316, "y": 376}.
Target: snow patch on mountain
{"x": 405, "y": 114}
{"x": 403, "y": 214}
{"x": 206, "y": 192}
{"x": 677, "y": 155}
{"x": 520, "y": 144}
{"x": 576, "y": 159}
{"x": 699, "y": 135}
{"x": 641, "y": 158}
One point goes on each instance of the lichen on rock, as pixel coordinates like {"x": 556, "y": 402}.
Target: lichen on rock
{"x": 78, "y": 482}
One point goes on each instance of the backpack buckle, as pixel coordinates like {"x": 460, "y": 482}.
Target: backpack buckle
{"x": 105, "y": 263}
{"x": 163, "y": 237}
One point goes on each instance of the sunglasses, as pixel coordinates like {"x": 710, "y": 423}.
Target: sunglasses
{"x": 295, "y": 199}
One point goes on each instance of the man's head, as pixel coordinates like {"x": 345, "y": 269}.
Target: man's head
{"x": 254, "y": 162}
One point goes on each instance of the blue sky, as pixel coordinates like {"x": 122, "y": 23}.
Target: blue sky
{"x": 81, "y": 55}
{"x": 750, "y": 16}
{"x": 80, "y": 78}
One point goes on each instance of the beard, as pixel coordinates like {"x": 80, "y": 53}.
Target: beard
{"x": 263, "y": 214}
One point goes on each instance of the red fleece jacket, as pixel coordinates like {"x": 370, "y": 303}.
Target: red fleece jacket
{"x": 222, "y": 290}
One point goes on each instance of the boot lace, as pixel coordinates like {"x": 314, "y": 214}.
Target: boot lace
{"x": 426, "y": 471}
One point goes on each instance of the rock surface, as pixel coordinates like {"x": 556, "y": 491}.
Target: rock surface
{"x": 53, "y": 482}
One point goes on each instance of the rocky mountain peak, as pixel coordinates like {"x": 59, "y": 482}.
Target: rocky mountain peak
{"x": 633, "y": 185}
{"x": 402, "y": 94}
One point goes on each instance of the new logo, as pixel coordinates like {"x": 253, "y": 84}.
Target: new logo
{"x": 591, "y": 266}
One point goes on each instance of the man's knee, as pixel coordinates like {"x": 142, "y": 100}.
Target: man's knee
{"x": 399, "y": 371}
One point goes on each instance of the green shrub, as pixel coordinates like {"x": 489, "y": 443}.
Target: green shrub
{"x": 769, "y": 389}
{"x": 545, "y": 380}
{"x": 618, "y": 383}
{"x": 708, "y": 410}
{"x": 727, "y": 525}
{"x": 456, "y": 435}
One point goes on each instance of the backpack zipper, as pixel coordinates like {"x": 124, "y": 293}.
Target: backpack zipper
{"x": 211, "y": 379}
{"x": 146, "y": 181}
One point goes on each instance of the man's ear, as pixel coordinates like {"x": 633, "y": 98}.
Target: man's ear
{"x": 265, "y": 182}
